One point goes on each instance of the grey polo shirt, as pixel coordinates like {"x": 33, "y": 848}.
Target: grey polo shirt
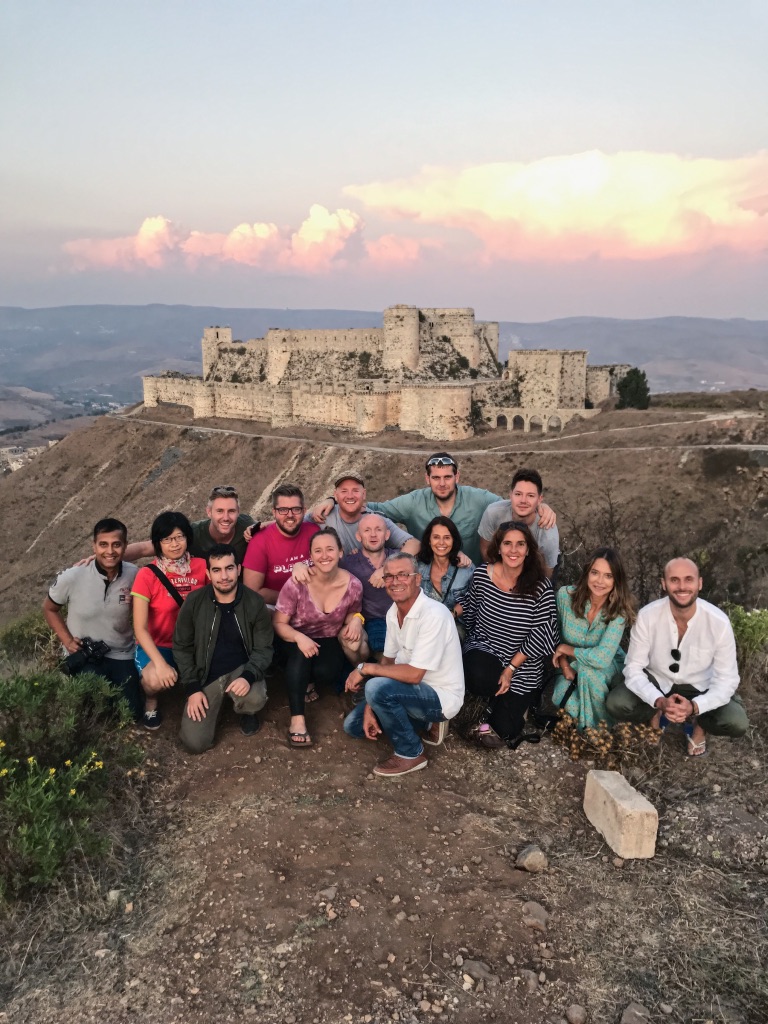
{"x": 97, "y": 608}
{"x": 501, "y": 512}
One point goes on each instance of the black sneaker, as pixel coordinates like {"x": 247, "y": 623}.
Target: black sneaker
{"x": 152, "y": 720}
{"x": 249, "y": 725}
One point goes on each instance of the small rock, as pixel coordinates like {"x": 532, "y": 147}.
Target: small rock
{"x": 636, "y": 1013}
{"x": 459, "y": 960}
{"x": 395, "y": 899}
{"x": 425, "y": 1005}
{"x": 576, "y": 1014}
{"x": 480, "y": 971}
{"x": 618, "y": 862}
{"x": 532, "y": 858}
{"x": 128, "y": 908}
{"x": 530, "y": 979}
{"x": 332, "y": 915}
{"x": 257, "y": 760}
{"x": 542, "y": 977}
{"x": 101, "y": 953}
{"x": 113, "y": 896}
{"x": 535, "y": 916}
{"x": 665, "y": 1008}
{"x": 282, "y": 948}
{"x": 354, "y": 903}
{"x": 510, "y": 960}
{"x": 391, "y": 957}
{"x": 329, "y": 893}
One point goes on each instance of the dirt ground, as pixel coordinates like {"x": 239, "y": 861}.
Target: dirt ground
{"x": 282, "y": 885}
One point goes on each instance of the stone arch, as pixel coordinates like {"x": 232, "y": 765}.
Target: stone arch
{"x": 501, "y": 422}
{"x": 536, "y": 425}
{"x": 518, "y": 423}
{"x": 554, "y": 423}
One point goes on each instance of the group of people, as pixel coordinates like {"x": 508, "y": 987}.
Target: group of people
{"x": 445, "y": 589}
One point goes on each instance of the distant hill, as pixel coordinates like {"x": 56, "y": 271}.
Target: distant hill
{"x": 101, "y": 352}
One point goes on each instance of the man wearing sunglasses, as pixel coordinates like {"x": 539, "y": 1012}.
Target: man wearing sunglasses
{"x": 419, "y": 684}
{"x": 225, "y": 524}
{"x": 681, "y": 666}
{"x": 444, "y": 496}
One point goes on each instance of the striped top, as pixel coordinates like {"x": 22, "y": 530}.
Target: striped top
{"x": 503, "y": 624}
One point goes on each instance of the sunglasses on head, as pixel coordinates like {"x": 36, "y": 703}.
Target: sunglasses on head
{"x": 224, "y": 491}
{"x": 441, "y": 460}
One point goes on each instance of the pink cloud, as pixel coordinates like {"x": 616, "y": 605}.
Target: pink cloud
{"x": 314, "y": 247}
{"x": 627, "y": 205}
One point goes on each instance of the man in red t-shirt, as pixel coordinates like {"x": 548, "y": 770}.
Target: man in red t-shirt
{"x": 275, "y": 549}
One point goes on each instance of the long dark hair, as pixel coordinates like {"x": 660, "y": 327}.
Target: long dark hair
{"x": 620, "y": 601}
{"x": 426, "y": 554}
{"x": 534, "y": 571}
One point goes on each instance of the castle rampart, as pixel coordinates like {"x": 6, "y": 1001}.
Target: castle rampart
{"x": 430, "y": 371}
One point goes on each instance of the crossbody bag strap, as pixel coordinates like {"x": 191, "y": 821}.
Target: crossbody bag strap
{"x": 450, "y": 584}
{"x": 167, "y": 584}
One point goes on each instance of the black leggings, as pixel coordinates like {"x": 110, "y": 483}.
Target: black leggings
{"x": 506, "y": 713}
{"x": 329, "y": 665}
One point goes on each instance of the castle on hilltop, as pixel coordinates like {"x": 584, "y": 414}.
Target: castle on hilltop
{"x": 431, "y": 371}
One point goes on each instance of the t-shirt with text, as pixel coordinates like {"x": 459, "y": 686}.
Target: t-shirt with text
{"x": 274, "y": 554}
{"x": 163, "y": 609}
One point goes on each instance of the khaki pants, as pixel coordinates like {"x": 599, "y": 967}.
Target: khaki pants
{"x": 728, "y": 720}
{"x": 197, "y": 737}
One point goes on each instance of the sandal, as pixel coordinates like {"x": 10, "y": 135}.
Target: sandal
{"x": 299, "y": 739}
{"x": 486, "y": 737}
{"x": 696, "y": 749}
{"x": 311, "y": 695}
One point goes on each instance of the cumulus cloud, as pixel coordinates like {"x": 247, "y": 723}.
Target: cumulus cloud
{"x": 627, "y": 205}
{"x": 312, "y": 248}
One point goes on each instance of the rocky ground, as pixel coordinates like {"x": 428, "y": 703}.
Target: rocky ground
{"x": 294, "y": 886}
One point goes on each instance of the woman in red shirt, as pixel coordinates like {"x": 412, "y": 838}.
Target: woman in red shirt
{"x": 158, "y": 591}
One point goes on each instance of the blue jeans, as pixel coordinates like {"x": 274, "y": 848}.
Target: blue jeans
{"x": 403, "y": 711}
{"x": 377, "y": 633}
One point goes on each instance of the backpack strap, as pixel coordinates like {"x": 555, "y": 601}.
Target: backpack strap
{"x": 166, "y": 583}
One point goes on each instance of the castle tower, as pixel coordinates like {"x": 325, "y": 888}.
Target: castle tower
{"x": 401, "y": 337}
{"x": 212, "y": 338}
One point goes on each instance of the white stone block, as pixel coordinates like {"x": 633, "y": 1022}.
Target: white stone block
{"x": 623, "y": 817}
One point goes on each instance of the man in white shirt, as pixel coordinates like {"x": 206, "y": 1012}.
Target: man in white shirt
{"x": 681, "y": 666}
{"x": 419, "y": 685}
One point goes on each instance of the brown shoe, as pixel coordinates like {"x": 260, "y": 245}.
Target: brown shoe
{"x": 435, "y": 734}
{"x": 396, "y": 765}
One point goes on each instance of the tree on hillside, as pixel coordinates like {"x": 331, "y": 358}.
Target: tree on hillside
{"x": 633, "y": 390}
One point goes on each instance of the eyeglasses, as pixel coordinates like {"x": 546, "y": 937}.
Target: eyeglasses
{"x": 401, "y": 577}
{"x": 293, "y": 510}
{"x": 441, "y": 460}
{"x": 224, "y": 491}
{"x": 674, "y": 667}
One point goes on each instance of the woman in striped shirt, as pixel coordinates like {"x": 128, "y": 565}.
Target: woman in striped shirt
{"x": 511, "y": 617}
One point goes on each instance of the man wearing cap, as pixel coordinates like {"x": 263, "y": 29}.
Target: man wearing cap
{"x": 349, "y": 507}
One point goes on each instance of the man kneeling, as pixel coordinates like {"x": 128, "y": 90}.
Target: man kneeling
{"x": 222, "y": 644}
{"x": 681, "y": 665}
{"x": 419, "y": 685}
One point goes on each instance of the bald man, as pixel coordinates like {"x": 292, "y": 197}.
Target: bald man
{"x": 681, "y": 665}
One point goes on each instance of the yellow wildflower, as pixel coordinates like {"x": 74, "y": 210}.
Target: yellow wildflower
{"x": 51, "y": 771}
{"x": 72, "y": 792}
{"x": 67, "y": 764}
{"x": 99, "y": 764}
{"x": 2, "y": 744}
{"x": 30, "y": 760}
{"x": 94, "y": 754}
{"x": 3, "y": 771}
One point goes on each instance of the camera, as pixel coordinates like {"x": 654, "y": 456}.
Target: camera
{"x": 91, "y": 653}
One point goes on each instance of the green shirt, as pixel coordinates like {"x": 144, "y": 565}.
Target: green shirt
{"x": 202, "y": 541}
{"x": 417, "y": 509}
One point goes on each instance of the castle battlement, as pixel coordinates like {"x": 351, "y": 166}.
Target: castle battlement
{"x": 431, "y": 371}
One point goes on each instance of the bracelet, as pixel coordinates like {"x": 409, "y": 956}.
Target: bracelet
{"x": 512, "y": 668}
{"x": 359, "y": 615}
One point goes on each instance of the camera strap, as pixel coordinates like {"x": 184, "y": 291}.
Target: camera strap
{"x": 167, "y": 584}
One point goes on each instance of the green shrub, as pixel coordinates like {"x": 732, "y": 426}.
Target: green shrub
{"x": 30, "y": 638}
{"x": 64, "y": 758}
{"x": 751, "y": 631}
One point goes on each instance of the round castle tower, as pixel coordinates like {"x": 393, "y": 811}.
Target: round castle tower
{"x": 401, "y": 337}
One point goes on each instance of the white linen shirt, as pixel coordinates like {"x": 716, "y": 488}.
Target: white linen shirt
{"x": 707, "y": 654}
{"x": 428, "y": 639}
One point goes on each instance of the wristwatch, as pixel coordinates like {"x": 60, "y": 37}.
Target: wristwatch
{"x": 360, "y": 668}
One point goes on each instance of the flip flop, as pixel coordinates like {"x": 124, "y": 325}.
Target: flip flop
{"x": 311, "y": 695}
{"x": 294, "y": 741}
{"x": 694, "y": 749}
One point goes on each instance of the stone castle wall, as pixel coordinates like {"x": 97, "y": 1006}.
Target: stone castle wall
{"x": 430, "y": 371}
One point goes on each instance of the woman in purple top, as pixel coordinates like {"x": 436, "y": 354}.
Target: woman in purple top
{"x": 315, "y": 623}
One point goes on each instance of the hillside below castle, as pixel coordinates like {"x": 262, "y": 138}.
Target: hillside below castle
{"x": 434, "y": 372}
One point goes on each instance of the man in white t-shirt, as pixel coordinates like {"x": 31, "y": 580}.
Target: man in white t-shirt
{"x": 419, "y": 685}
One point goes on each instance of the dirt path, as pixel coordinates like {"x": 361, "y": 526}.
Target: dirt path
{"x": 294, "y": 886}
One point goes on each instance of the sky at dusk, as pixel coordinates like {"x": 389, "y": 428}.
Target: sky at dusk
{"x": 532, "y": 160}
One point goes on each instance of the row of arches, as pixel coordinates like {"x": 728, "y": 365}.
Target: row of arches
{"x": 533, "y": 424}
